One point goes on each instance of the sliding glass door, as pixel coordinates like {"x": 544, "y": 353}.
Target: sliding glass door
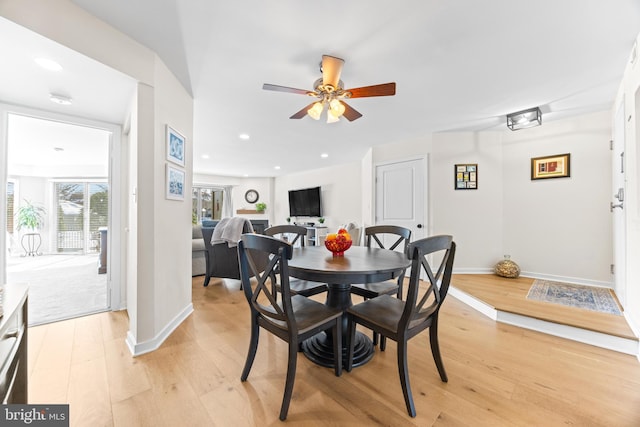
{"x": 81, "y": 211}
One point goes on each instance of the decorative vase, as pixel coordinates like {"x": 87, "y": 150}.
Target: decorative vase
{"x": 338, "y": 243}
{"x": 507, "y": 268}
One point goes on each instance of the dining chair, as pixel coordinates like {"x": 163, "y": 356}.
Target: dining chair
{"x": 293, "y": 319}
{"x": 402, "y": 320}
{"x": 294, "y": 234}
{"x": 375, "y": 237}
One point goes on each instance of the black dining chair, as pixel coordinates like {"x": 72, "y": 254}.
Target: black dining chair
{"x": 293, "y": 319}
{"x": 402, "y": 320}
{"x": 294, "y": 234}
{"x": 375, "y": 238}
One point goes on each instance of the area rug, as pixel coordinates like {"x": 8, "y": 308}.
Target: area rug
{"x": 580, "y": 296}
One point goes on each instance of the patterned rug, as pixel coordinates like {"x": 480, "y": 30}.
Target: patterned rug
{"x": 585, "y": 297}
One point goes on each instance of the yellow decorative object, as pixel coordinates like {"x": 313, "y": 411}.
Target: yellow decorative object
{"x": 507, "y": 268}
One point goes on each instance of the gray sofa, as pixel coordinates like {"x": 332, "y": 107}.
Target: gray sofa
{"x": 198, "y": 252}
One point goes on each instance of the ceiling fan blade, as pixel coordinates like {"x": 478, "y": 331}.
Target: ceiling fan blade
{"x": 277, "y": 88}
{"x": 331, "y": 69}
{"x": 386, "y": 89}
{"x": 300, "y": 114}
{"x": 350, "y": 113}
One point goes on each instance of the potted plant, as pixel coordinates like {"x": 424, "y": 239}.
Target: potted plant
{"x": 30, "y": 217}
{"x": 260, "y": 207}
{"x": 321, "y": 220}
{"x": 288, "y": 220}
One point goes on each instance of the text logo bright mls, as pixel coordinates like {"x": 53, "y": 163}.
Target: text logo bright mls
{"x": 35, "y": 415}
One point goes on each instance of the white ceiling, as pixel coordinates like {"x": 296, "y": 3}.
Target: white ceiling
{"x": 458, "y": 65}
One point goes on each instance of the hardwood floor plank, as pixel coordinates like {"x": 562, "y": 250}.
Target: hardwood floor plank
{"x": 49, "y": 380}
{"x": 89, "y": 401}
{"x": 126, "y": 375}
{"x": 499, "y": 375}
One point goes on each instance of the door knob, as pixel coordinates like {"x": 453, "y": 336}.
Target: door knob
{"x": 613, "y": 206}
{"x": 419, "y": 226}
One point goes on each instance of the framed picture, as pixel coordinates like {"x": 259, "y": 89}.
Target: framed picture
{"x": 175, "y": 146}
{"x": 466, "y": 177}
{"x": 557, "y": 166}
{"x": 174, "y": 183}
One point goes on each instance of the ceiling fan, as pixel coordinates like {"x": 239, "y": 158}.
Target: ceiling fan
{"x": 330, "y": 91}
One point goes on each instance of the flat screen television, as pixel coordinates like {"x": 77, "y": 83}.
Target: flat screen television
{"x": 305, "y": 202}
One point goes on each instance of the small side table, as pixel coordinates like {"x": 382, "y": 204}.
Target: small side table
{"x": 33, "y": 243}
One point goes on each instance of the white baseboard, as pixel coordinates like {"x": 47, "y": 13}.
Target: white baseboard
{"x": 138, "y": 349}
{"x": 621, "y": 345}
{"x": 534, "y": 275}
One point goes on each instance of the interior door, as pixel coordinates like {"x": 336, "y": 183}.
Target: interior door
{"x": 400, "y": 195}
{"x": 617, "y": 204}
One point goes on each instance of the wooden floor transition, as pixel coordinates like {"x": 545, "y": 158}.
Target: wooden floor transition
{"x": 510, "y": 295}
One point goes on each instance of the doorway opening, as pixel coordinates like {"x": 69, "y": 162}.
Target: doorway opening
{"x": 60, "y": 169}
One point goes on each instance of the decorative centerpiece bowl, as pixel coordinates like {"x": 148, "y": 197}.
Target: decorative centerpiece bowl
{"x": 339, "y": 242}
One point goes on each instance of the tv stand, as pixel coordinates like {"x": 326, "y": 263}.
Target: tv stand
{"x": 316, "y": 235}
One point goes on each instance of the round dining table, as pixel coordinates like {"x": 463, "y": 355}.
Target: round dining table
{"x": 358, "y": 265}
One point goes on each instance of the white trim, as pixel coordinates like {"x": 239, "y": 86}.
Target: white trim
{"x": 138, "y": 349}
{"x": 532, "y": 275}
{"x": 598, "y": 339}
{"x": 474, "y": 303}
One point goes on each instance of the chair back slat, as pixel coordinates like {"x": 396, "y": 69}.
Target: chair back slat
{"x": 281, "y": 231}
{"x": 420, "y": 309}
{"x": 266, "y": 258}
{"x": 376, "y": 234}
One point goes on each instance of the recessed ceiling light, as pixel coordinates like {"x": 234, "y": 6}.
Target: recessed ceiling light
{"x": 246, "y": 175}
{"x": 205, "y": 156}
{"x": 244, "y": 136}
{"x": 324, "y": 155}
{"x": 60, "y": 99}
{"x": 48, "y": 64}
{"x": 277, "y": 167}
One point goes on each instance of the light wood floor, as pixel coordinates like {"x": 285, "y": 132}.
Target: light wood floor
{"x": 499, "y": 375}
{"x": 510, "y": 295}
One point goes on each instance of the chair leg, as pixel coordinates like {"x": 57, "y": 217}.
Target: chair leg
{"x": 206, "y": 279}
{"x": 383, "y": 343}
{"x": 403, "y": 370}
{"x": 291, "y": 376}
{"x": 351, "y": 338}
{"x": 253, "y": 347}
{"x": 337, "y": 347}
{"x": 435, "y": 350}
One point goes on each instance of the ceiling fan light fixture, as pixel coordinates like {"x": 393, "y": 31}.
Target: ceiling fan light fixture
{"x": 337, "y": 107}
{"x": 315, "y": 111}
{"x": 332, "y": 116}
{"x": 524, "y": 119}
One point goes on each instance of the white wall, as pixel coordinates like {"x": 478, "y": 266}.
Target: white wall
{"x": 341, "y": 194}
{"x": 161, "y": 296}
{"x": 560, "y": 227}
{"x": 473, "y": 217}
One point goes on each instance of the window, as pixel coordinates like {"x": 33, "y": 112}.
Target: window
{"x": 206, "y": 203}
